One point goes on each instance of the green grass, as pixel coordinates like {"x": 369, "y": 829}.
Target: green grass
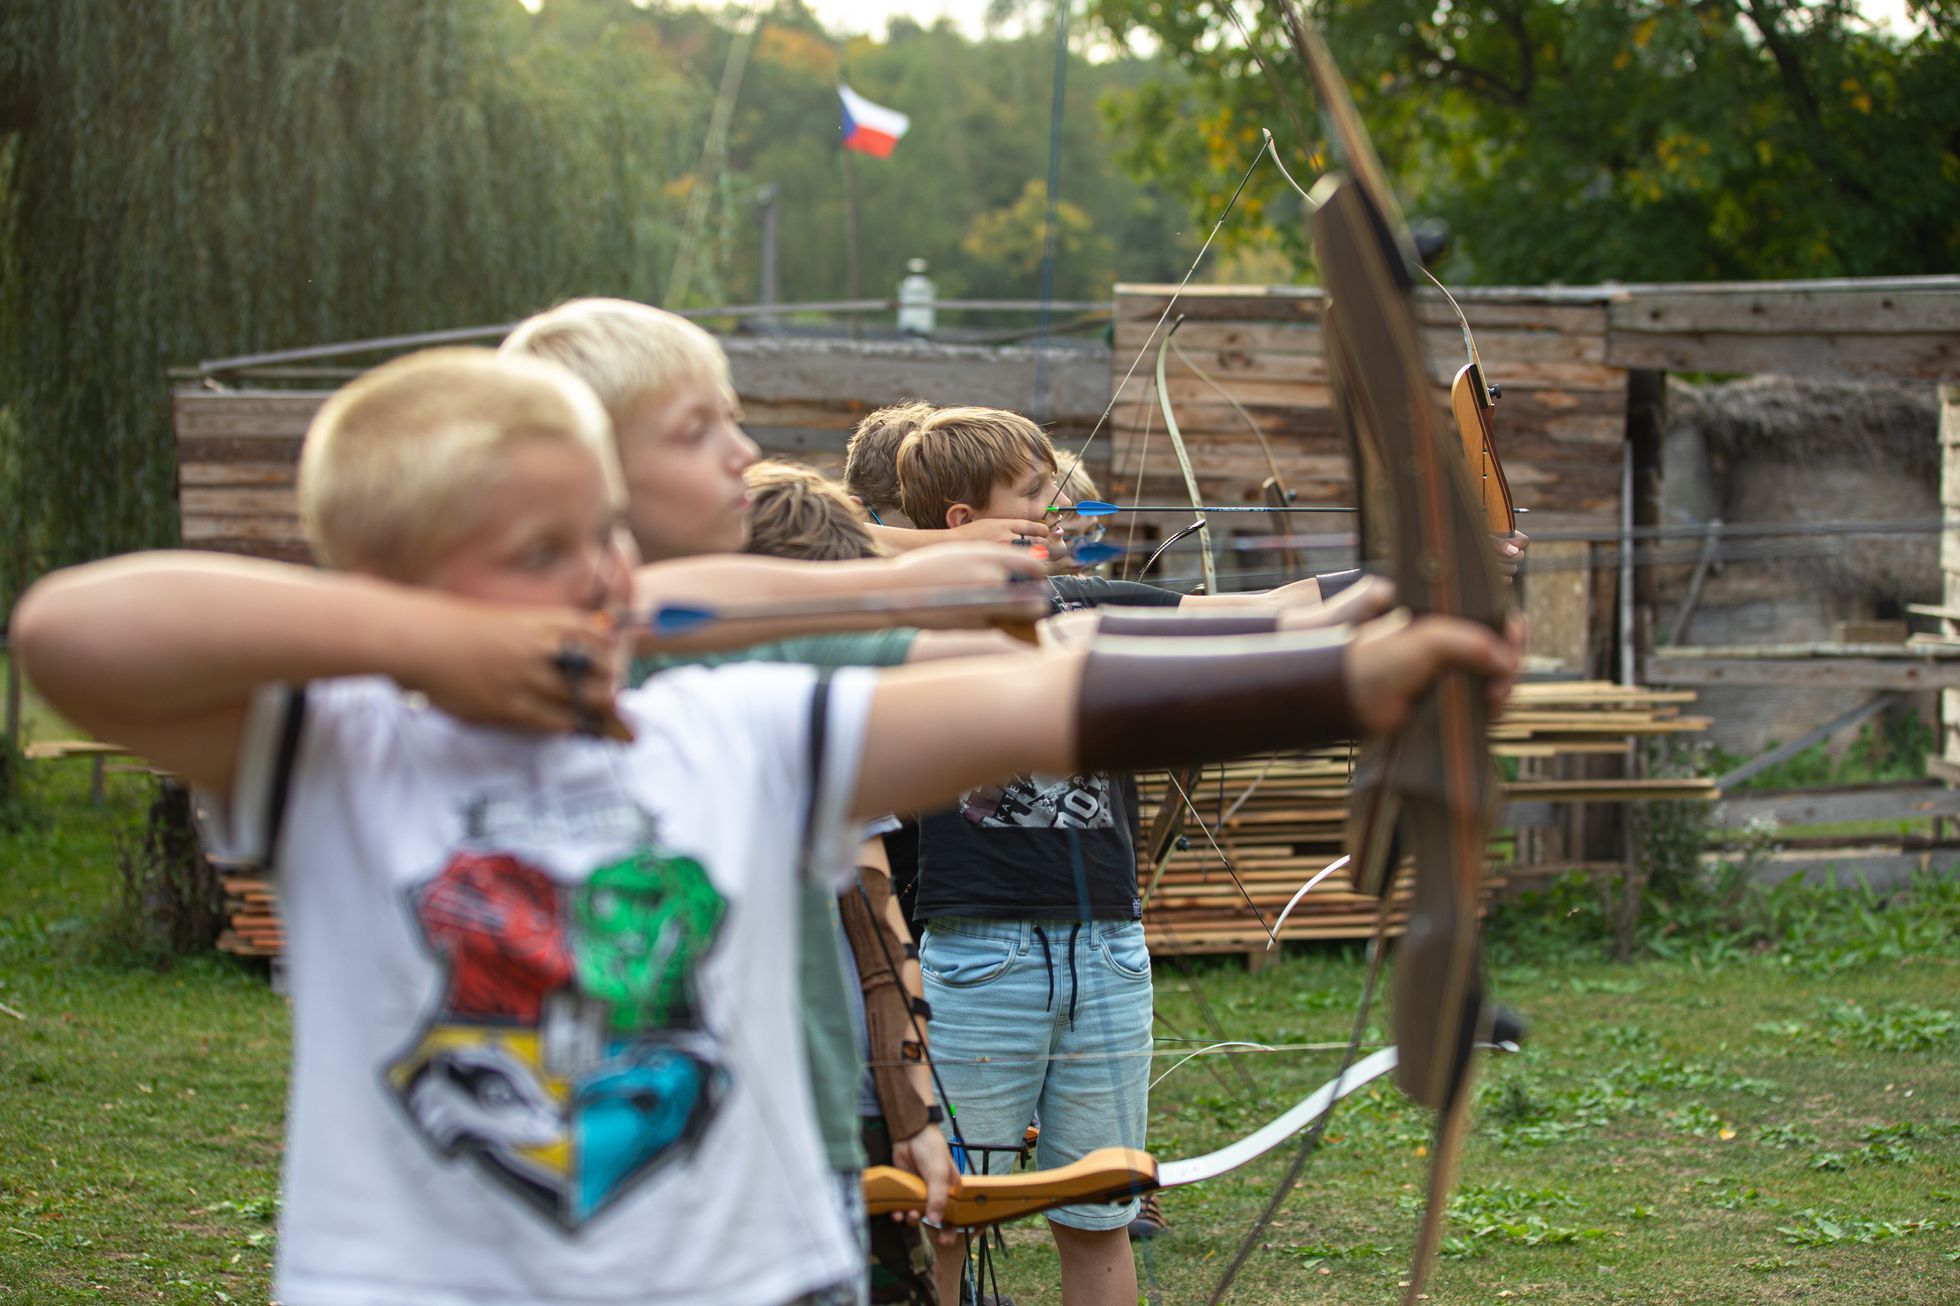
{"x": 1769, "y": 1121}
{"x": 140, "y": 1110}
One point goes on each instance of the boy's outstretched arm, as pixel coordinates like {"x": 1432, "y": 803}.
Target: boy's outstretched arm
{"x": 938, "y": 730}
{"x": 161, "y": 652}
{"x": 993, "y": 530}
{"x": 730, "y": 581}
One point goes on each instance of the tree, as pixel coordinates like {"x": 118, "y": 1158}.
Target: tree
{"x": 219, "y": 176}
{"x": 1630, "y": 139}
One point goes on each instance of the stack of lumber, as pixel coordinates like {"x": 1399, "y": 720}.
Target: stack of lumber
{"x": 1279, "y": 820}
{"x": 253, "y": 928}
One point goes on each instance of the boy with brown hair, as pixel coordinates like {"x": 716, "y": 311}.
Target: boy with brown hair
{"x": 538, "y": 1010}
{"x": 1033, "y": 954}
{"x": 871, "y": 476}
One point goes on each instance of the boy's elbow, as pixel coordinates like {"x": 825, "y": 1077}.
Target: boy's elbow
{"x": 33, "y": 631}
{"x": 44, "y": 634}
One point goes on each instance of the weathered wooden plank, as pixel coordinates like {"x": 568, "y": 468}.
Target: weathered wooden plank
{"x": 248, "y": 415}
{"x": 1912, "y": 801}
{"x": 859, "y": 376}
{"x": 1917, "y": 357}
{"x": 277, "y": 528}
{"x": 215, "y": 449}
{"x": 196, "y": 501}
{"x": 1227, "y": 344}
{"x": 1785, "y": 311}
{"x": 235, "y": 473}
{"x": 1841, "y": 673}
{"x": 1542, "y": 308}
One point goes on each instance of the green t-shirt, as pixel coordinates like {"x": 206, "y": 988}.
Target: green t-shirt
{"x": 829, "y": 1033}
{"x": 860, "y": 648}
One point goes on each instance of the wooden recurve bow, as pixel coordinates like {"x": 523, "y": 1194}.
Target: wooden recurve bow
{"x": 1440, "y": 780}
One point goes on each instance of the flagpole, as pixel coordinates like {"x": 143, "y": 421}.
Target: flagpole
{"x": 1048, "y": 231}
{"x": 851, "y": 290}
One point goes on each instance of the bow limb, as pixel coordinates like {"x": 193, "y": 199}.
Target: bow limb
{"x": 1473, "y": 407}
{"x": 1278, "y": 493}
{"x": 1207, "y": 565}
{"x": 1113, "y": 1173}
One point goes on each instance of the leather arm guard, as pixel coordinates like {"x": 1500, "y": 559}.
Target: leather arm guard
{"x": 888, "y": 1009}
{"x": 1158, "y": 703}
{"x": 1131, "y": 622}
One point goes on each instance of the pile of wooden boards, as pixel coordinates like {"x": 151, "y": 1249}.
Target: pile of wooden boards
{"x": 1264, "y": 826}
{"x": 252, "y": 918}
{"x": 1282, "y": 820}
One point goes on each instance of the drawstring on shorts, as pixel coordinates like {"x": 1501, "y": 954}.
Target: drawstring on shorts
{"x": 1048, "y": 966}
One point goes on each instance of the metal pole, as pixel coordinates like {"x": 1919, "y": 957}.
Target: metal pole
{"x": 851, "y": 238}
{"x": 1626, "y": 566}
{"x": 767, "y": 199}
{"x": 1048, "y": 228}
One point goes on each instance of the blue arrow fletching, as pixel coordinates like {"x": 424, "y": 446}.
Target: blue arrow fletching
{"x": 675, "y": 619}
{"x": 1091, "y": 553}
{"x": 1095, "y": 508}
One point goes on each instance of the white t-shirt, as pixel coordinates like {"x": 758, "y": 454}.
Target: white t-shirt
{"x": 546, "y": 1038}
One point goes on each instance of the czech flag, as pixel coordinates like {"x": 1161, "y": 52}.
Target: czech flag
{"x": 870, "y": 128}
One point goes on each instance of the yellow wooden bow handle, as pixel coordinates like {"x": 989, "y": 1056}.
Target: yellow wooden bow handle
{"x": 1106, "y": 1174}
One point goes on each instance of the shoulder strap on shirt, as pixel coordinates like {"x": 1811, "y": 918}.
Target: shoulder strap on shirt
{"x": 283, "y": 759}
{"x": 819, "y": 738}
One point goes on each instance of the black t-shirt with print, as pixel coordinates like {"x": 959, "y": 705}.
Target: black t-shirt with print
{"x": 1033, "y": 848}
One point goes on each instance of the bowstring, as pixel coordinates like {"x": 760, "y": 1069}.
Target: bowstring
{"x": 1192, "y": 271}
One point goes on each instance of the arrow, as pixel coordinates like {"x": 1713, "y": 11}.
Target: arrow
{"x": 1098, "y": 508}
{"x": 675, "y": 619}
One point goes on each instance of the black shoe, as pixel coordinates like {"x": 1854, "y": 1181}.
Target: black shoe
{"x": 1149, "y": 1221}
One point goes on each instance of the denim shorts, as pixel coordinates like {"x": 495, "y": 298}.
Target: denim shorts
{"x": 1009, "y": 998}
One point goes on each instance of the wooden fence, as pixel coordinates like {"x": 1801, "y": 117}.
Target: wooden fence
{"x": 237, "y": 448}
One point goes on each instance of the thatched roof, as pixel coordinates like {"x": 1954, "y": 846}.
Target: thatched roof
{"x": 1803, "y": 420}
{"x": 1784, "y": 448}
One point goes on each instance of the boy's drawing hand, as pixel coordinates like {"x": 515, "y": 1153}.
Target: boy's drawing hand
{"x": 507, "y": 667}
{"x": 1008, "y": 530}
{"x": 1366, "y": 599}
{"x": 1395, "y": 659}
{"x": 926, "y": 1155}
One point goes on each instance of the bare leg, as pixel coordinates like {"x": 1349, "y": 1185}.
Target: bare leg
{"x": 948, "y": 1268}
{"x": 1098, "y": 1268}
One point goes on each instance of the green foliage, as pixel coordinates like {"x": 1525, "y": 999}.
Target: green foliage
{"x": 1892, "y": 748}
{"x": 196, "y": 179}
{"x": 1894, "y": 1027}
{"x": 1826, "y": 1228}
{"x": 1646, "y": 140}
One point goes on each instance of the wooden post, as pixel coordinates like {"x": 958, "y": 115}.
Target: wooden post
{"x": 1950, "y": 557}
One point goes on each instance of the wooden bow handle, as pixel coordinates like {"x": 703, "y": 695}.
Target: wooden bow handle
{"x": 1106, "y": 1174}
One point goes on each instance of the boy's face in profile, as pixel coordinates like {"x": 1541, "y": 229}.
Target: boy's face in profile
{"x": 546, "y": 534}
{"x": 1025, "y": 497}
{"x": 683, "y": 452}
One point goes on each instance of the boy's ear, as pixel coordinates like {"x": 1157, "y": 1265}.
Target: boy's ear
{"x": 958, "y": 515}
{"x": 858, "y": 499}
